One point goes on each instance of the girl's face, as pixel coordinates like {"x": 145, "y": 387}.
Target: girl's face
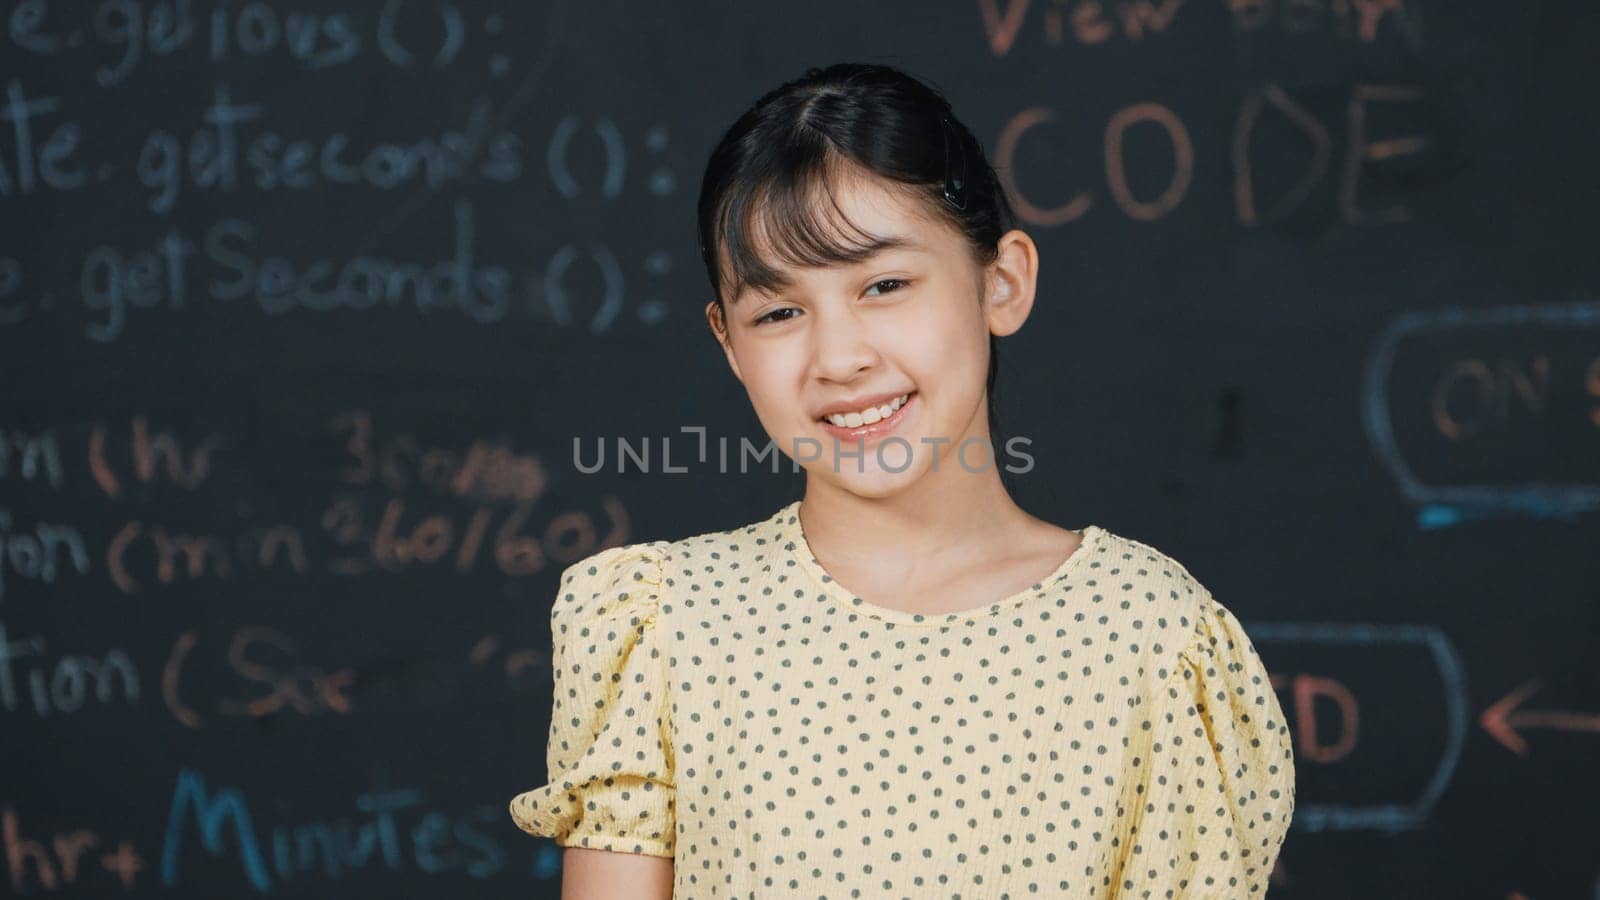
{"x": 910, "y": 319}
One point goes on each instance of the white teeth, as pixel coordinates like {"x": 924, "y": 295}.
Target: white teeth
{"x": 870, "y": 415}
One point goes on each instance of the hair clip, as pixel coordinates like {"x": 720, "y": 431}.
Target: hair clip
{"x": 954, "y": 178}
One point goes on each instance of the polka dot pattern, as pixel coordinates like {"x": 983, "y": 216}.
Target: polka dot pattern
{"x": 1109, "y": 732}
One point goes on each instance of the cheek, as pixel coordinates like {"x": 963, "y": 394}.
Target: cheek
{"x": 770, "y": 382}
{"x": 951, "y": 353}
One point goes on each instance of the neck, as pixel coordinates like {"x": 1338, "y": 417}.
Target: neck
{"x": 947, "y": 515}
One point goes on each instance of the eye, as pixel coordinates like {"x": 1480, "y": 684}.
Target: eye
{"x": 773, "y": 316}
{"x": 769, "y": 316}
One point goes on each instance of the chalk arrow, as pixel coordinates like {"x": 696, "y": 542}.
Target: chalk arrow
{"x": 1503, "y": 719}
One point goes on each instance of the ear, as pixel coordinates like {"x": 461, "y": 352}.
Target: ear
{"x": 1012, "y": 280}
{"x": 719, "y": 330}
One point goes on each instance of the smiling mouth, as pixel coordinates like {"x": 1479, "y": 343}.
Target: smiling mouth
{"x": 865, "y": 429}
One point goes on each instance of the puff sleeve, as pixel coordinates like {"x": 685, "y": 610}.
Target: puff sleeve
{"x": 609, "y": 757}
{"x": 1211, "y": 805}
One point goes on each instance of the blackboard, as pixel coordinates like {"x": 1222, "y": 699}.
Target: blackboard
{"x": 302, "y": 304}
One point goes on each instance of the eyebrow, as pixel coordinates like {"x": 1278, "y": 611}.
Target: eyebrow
{"x": 878, "y": 245}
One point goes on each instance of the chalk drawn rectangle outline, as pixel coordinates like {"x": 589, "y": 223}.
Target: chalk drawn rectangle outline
{"x": 1538, "y": 498}
{"x": 1452, "y": 674}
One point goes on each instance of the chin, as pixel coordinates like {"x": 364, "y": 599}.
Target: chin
{"x": 870, "y": 482}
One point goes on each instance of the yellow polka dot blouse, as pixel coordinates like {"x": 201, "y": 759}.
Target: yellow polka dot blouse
{"x": 1109, "y": 732}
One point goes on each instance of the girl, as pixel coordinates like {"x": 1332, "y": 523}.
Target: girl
{"x": 901, "y": 685}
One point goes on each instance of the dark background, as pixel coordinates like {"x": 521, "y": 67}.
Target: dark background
{"x": 302, "y": 304}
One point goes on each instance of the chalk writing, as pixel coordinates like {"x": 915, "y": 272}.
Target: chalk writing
{"x": 267, "y": 661}
{"x": 148, "y": 457}
{"x": 226, "y": 154}
{"x": 33, "y": 680}
{"x": 123, "y": 35}
{"x": 39, "y": 552}
{"x": 32, "y": 458}
{"x": 1431, "y": 646}
{"x": 435, "y": 842}
{"x": 1128, "y": 23}
{"x": 64, "y": 860}
{"x": 484, "y": 471}
{"x": 1362, "y": 149}
{"x": 1487, "y": 409}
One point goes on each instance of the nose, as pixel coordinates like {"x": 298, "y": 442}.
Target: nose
{"x": 842, "y": 346}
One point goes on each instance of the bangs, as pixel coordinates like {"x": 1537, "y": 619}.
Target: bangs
{"x": 793, "y": 219}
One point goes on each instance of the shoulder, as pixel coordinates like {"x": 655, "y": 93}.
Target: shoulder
{"x": 1162, "y": 601}
{"x": 649, "y": 575}
{"x": 605, "y": 617}
{"x": 1133, "y": 567}
{"x": 623, "y": 582}
{"x": 723, "y": 562}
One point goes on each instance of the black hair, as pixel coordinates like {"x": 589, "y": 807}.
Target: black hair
{"x": 789, "y": 148}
